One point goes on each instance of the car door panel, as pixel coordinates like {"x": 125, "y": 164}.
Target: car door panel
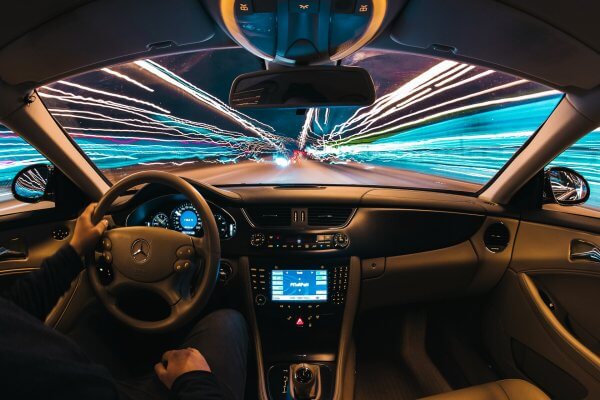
{"x": 571, "y": 296}
{"x": 543, "y": 322}
{"x": 30, "y": 244}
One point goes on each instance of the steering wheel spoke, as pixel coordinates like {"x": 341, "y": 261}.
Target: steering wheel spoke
{"x": 201, "y": 246}
{"x": 169, "y": 289}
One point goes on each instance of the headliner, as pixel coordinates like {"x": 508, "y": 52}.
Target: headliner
{"x": 42, "y": 41}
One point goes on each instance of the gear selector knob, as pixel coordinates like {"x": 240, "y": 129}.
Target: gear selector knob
{"x": 305, "y": 381}
{"x": 303, "y": 375}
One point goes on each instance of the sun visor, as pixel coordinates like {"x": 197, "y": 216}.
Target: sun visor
{"x": 490, "y": 33}
{"x": 102, "y": 32}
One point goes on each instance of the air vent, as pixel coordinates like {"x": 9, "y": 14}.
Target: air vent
{"x": 496, "y": 237}
{"x": 328, "y": 216}
{"x": 270, "y": 216}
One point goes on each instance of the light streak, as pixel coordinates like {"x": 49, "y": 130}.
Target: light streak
{"x": 213, "y": 102}
{"x": 306, "y": 127}
{"x": 443, "y": 104}
{"x": 110, "y": 94}
{"x": 141, "y": 127}
{"x": 396, "y": 95}
{"x": 373, "y": 115}
{"x": 127, "y": 78}
{"x": 452, "y": 111}
{"x": 453, "y": 77}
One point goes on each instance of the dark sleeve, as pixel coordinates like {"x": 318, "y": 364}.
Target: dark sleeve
{"x": 196, "y": 385}
{"x": 39, "y": 291}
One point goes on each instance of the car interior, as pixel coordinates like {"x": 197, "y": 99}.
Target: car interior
{"x": 401, "y": 197}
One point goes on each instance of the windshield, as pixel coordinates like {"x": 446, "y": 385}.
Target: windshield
{"x": 436, "y": 124}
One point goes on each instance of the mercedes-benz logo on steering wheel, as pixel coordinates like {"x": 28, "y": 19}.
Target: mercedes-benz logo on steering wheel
{"x": 140, "y": 251}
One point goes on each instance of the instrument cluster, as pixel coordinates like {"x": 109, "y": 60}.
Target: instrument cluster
{"x": 180, "y": 215}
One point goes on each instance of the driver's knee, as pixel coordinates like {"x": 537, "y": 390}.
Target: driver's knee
{"x": 228, "y": 322}
{"x": 222, "y": 325}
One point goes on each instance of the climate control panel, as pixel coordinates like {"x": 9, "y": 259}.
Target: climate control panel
{"x": 286, "y": 241}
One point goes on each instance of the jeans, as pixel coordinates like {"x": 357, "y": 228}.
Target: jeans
{"x": 222, "y": 338}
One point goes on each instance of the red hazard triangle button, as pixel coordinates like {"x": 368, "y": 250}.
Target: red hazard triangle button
{"x": 299, "y": 322}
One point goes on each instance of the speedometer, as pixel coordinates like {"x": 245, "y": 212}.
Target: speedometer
{"x": 186, "y": 219}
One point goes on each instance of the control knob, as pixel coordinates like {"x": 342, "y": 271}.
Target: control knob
{"x": 260, "y": 300}
{"x": 257, "y": 239}
{"x": 340, "y": 240}
{"x": 303, "y": 375}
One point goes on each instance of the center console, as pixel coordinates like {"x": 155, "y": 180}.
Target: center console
{"x": 299, "y": 306}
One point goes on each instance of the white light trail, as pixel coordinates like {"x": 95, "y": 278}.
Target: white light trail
{"x": 109, "y": 94}
{"x": 453, "y": 111}
{"x": 392, "y": 98}
{"x": 127, "y": 78}
{"x": 306, "y": 128}
{"x": 440, "y": 105}
{"x": 214, "y": 103}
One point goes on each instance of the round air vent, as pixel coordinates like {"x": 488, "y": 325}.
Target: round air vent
{"x": 496, "y": 237}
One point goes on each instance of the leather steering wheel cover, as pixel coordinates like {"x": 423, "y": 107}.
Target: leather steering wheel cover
{"x": 179, "y": 315}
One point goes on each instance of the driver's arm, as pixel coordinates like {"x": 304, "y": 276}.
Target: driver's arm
{"x": 39, "y": 291}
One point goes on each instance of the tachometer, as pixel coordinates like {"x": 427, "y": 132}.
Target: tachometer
{"x": 160, "y": 220}
{"x": 186, "y": 219}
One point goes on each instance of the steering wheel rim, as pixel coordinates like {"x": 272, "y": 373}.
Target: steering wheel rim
{"x": 137, "y": 262}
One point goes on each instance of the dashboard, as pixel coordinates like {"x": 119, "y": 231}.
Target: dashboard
{"x": 175, "y": 212}
{"x": 402, "y": 238}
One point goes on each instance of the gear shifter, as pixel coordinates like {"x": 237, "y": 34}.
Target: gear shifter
{"x": 305, "y": 382}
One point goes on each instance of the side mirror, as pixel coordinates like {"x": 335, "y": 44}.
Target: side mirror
{"x": 565, "y": 186}
{"x": 34, "y": 184}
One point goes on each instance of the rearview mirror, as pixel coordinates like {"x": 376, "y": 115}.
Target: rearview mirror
{"x": 565, "y": 186}
{"x": 34, "y": 184}
{"x": 303, "y": 87}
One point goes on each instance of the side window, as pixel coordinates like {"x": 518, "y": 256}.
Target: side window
{"x": 15, "y": 155}
{"x": 584, "y": 157}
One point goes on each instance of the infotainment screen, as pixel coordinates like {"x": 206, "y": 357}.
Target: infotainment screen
{"x": 299, "y": 285}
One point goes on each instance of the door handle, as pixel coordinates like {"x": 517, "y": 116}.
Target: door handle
{"x": 582, "y": 250}
{"x": 15, "y": 249}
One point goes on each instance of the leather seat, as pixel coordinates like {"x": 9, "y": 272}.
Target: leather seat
{"x": 508, "y": 389}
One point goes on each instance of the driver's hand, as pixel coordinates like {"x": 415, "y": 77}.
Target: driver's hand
{"x": 86, "y": 234}
{"x": 177, "y": 362}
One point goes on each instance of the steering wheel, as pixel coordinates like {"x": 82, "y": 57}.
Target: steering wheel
{"x": 181, "y": 269}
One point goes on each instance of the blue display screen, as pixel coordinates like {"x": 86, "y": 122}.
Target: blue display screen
{"x": 188, "y": 220}
{"x": 299, "y": 285}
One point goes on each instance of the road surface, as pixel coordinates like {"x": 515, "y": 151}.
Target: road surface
{"x": 314, "y": 172}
